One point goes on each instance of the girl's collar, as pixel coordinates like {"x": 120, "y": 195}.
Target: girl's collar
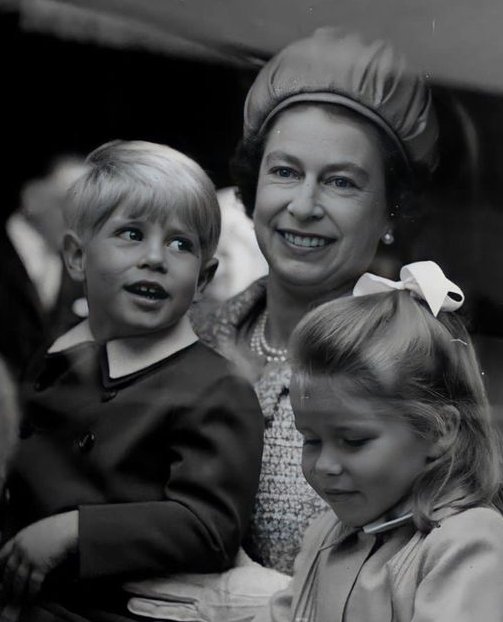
{"x": 380, "y": 525}
{"x": 401, "y": 514}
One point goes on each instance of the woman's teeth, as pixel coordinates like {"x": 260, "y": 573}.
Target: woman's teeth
{"x": 304, "y": 241}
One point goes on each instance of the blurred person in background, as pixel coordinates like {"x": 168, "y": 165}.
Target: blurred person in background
{"x": 240, "y": 261}
{"x": 37, "y": 297}
{"x": 9, "y": 421}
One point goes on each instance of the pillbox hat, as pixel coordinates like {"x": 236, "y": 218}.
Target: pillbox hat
{"x": 368, "y": 78}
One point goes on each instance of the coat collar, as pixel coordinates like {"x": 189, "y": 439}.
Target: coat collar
{"x": 381, "y": 526}
{"x": 129, "y": 355}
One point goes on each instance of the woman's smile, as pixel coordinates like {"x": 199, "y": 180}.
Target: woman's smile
{"x": 301, "y": 240}
{"x": 321, "y": 198}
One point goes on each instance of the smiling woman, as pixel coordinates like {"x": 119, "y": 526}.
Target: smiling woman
{"x": 321, "y": 199}
{"x": 337, "y": 133}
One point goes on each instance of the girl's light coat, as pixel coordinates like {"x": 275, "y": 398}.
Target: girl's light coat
{"x": 452, "y": 574}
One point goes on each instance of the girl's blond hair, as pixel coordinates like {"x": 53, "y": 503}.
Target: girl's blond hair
{"x": 389, "y": 347}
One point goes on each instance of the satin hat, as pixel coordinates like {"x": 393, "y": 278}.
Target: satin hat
{"x": 371, "y": 79}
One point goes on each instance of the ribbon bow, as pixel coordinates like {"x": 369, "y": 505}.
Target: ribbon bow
{"x": 424, "y": 279}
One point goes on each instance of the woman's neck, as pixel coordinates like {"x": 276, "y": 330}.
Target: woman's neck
{"x": 287, "y": 306}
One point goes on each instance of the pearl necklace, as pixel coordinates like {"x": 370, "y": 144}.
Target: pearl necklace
{"x": 260, "y": 345}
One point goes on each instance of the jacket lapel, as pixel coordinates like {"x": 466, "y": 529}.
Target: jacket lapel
{"x": 336, "y": 563}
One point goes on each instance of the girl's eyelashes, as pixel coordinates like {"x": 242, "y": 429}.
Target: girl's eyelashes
{"x": 355, "y": 442}
{"x": 351, "y": 443}
{"x": 311, "y": 440}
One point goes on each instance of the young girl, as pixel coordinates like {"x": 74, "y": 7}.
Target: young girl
{"x": 398, "y": 441}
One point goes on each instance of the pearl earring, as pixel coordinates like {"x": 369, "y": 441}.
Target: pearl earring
{"x": 388, "y": 238}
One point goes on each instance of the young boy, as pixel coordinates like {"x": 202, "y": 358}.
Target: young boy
{"x": 141, "y": 449}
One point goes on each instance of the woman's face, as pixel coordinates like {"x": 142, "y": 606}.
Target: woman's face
{"x": 321, "y": 199}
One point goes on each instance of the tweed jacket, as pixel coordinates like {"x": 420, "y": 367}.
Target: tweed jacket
{"x": 452, "y": 574}
{"x": 285, "y": 503}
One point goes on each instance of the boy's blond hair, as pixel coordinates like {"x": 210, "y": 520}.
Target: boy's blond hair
{"x": 148, "y": 180}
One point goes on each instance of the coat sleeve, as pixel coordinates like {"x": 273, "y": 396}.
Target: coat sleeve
{"x": 215, "y": 448}
{"x": 462, "y": 572}
{"x": 283, "y": 605}
{"x": 279, "y": 608}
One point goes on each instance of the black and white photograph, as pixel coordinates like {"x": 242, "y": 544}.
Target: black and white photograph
{"x": 251, "y": 311}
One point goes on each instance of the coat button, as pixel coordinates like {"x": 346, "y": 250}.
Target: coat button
{"x": 106, "y": 396}
{"x": 25, "y": 430}
{"x": 86, "y": 442}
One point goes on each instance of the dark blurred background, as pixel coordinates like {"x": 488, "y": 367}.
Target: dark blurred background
{"x": 61, "y": 95}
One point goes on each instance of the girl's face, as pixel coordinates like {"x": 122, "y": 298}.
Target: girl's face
{"x": 361, "y": 460}
{"x": 321, "y": 199}
{"x": 141, "y": 276}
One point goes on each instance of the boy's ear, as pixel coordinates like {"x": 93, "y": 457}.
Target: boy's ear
{"x": 442, "y": 443}
{"x": 74, "y": 256}
{"x": 206, "y": 275}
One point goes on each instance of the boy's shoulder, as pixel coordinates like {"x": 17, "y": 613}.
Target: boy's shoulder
{"x": 204, "y": 365}
{"x": 214, "y": 362}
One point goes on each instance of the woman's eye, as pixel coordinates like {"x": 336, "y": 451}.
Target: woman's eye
{"x": 341, "y": 182}
{"x": 181, "y": 244}
{"x": 131, "y": 234}
{"x": 284, "y": 172}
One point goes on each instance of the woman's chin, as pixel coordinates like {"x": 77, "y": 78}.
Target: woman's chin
{"x": 297, "y": 272}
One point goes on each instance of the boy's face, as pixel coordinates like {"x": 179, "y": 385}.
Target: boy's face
{"x": 360, "y": 460}
{"x": 141, "y": 276}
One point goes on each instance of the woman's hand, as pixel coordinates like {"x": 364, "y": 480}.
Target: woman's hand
{"x": 31, "y": 554}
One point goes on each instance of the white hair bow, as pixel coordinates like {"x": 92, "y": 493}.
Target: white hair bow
{"x": 424, "y": 279}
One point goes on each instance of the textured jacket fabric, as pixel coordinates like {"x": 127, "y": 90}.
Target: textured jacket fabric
{"x": 452, "y": 574}
{"x": 162, "y": 464}
{"x": 285, "y": 503}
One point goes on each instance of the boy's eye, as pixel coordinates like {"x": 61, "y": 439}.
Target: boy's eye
{"x": 181, "y": 244}
{"x": 131, "y": 234}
